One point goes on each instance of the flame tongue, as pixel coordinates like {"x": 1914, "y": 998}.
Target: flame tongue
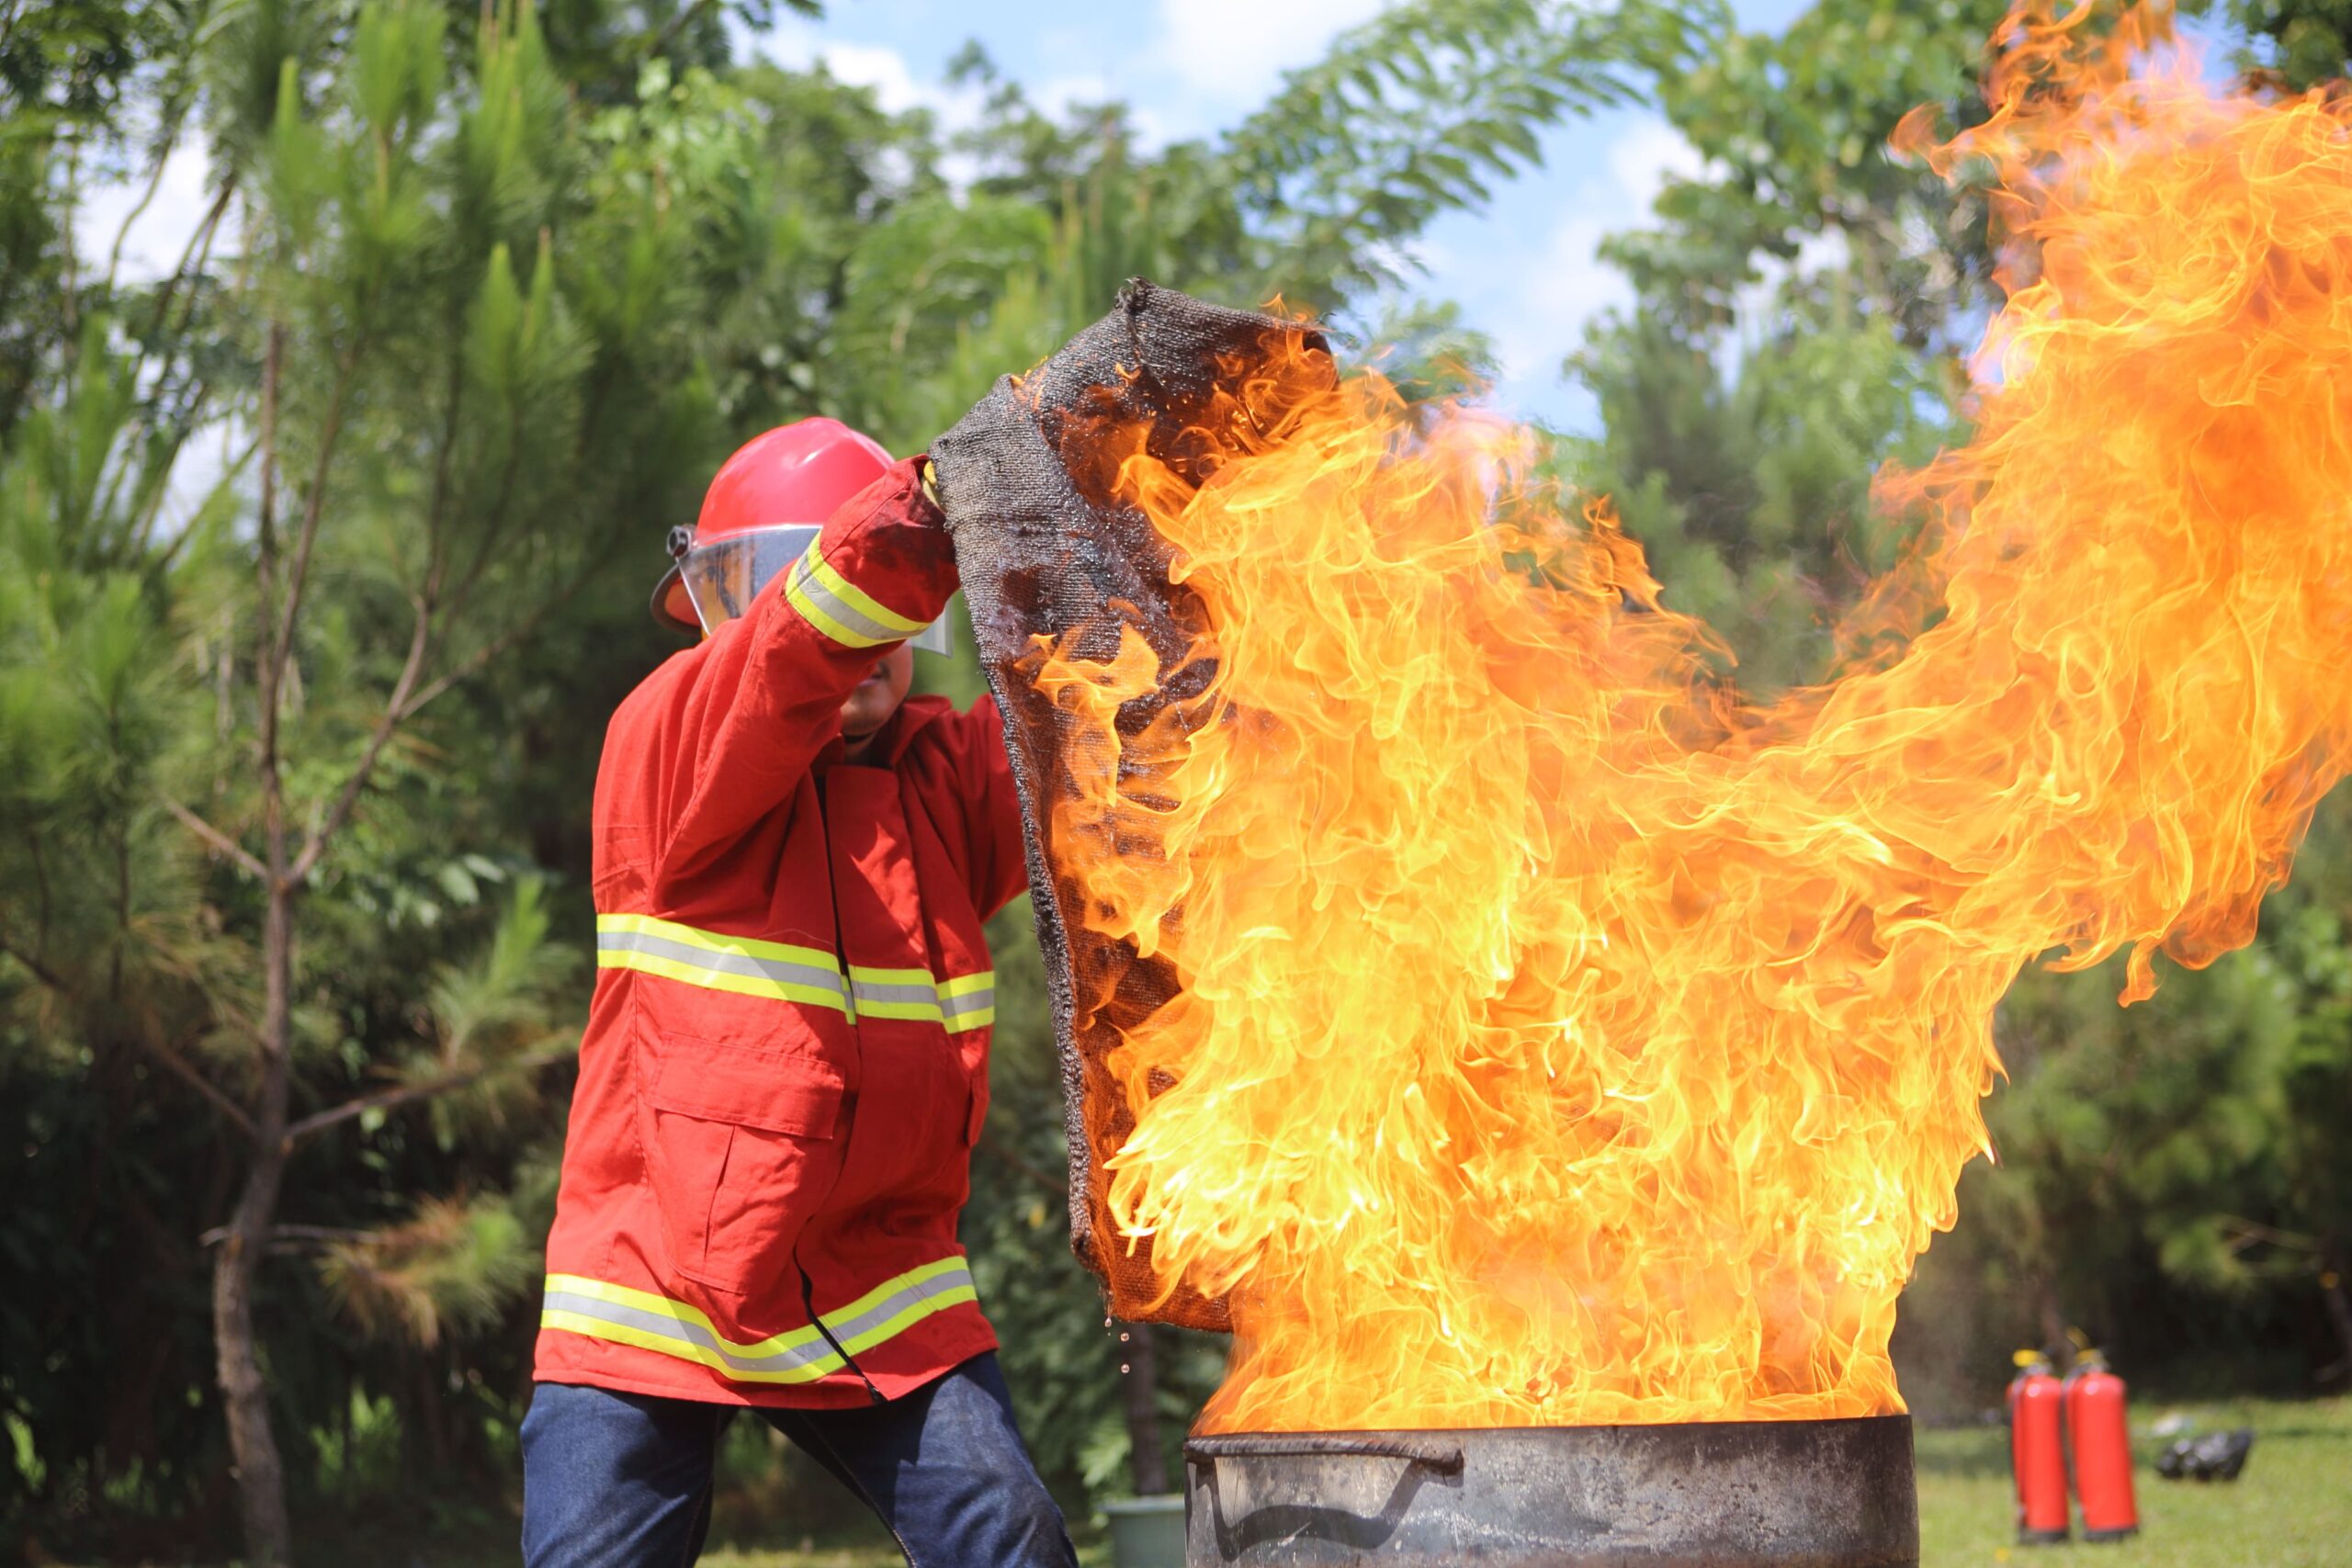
{"x": 1559, "y": 1043}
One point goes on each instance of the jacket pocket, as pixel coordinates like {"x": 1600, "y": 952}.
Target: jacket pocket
{"x": 741, "y": 1147}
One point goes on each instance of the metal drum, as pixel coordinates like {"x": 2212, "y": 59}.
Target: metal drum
{"x": 1700, "y": 1494}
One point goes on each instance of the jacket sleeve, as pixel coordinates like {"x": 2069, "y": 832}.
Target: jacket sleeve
{"x": 992, "y": 812}
{"x": 739, "y": 717}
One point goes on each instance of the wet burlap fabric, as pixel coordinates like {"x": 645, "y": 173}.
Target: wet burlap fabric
{"x": 1027, "y": 479}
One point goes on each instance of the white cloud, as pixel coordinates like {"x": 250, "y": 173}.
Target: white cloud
{"x": 1646, "y": 156}
{"x": 1566, "y": 283}
{"x": 897, "y": 87}
{"x": 161, "y": 233}
{"x": 1227, "y": 54}
{"x": 1057, "y": 94}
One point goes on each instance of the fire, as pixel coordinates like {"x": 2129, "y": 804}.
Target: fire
{"x": 1563, "y": 1040}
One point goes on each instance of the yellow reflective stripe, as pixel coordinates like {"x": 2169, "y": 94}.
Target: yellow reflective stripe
{"x": 963, "y": 1003}
{"x": 669, "y": 1345}
{"x": 715, "y": 942}
{"x": 894, "y": 992}
{"x": 874, "y": 1007}
{"x": 711, "y": 979}
{"x": 781, "y": 972}
{"x": 930, "y": 1304}
{"x": 968, "y": 1002}
{"x": 742, "y": 965}
{"x": 858, "y": 599}
{"x": 839, "y": 608}
{"x": 599, "y": 1310}
{"x": 893, "y": 977}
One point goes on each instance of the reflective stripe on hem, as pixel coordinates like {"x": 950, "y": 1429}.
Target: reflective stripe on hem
{"x": 839, "y": 608}
{"x": 780, "y": 972}
{"x": 623, "y": 1315}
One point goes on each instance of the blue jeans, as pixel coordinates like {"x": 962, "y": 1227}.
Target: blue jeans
{"x": 623, "y": 1480}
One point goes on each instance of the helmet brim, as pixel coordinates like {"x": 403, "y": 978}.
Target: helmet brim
{"x": 673, "y": 605}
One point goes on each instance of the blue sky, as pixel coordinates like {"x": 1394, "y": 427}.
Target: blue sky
{"x": 1523, "y": 268}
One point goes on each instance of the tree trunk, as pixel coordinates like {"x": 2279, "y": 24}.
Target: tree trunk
{"x": 2336, "y": 1285}
{"x": 252, "y": 1446}
{"x": 1139, "y": 1373}
{"x": 260, "y": 1480}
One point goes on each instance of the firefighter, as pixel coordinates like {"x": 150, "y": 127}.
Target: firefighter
{"x": 785, "y": 1061}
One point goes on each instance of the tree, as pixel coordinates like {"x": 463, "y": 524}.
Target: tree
{"x": 434, "y": 464}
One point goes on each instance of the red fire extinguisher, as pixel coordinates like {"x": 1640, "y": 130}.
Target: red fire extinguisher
{"x": 2036, "y": 1451}
{"x": 2098, "y": 1449}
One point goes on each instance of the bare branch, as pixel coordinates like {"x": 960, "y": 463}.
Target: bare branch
{"x": 220, "y": 842}
{"x": 488, "y": 654}
{"x": 677, "y": 24}
{"x": 396, "y": 708}
{"x": 313, "y": 507}
{"x": 186, "y": 1072}
{"x": 409, "y": 1094}
{"x": 35, "y": 967}
{"x": 320, "y": 1232}
{"x": 69, "y": 306}
{"x": 234, "y": 472}
{"x": 407, "y": 699}
{"x": 285, "y": 1238}
{"x": 170, "y": 140}
{"x": 201, "y": 237}
{"x": 267, "y": 668}
{"x": 2245, "y": 1233}
{"x": 1017, "y": 1161}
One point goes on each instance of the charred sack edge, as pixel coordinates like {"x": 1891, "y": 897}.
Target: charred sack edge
{"x": 1443, "y": 1457}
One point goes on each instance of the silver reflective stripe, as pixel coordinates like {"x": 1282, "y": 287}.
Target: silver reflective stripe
{"x": 833, "y": 614}
{"x": 981, "y": 1000}
{"x": 738, "y": 964}
{"x": 856, "y": 1333}
{"x": 622, "y": 1314}
{"x": 812, "y": 1358}
{"x": 877, "y": 992}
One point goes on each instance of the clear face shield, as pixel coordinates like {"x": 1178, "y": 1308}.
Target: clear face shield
{"x": 713, "y": 583}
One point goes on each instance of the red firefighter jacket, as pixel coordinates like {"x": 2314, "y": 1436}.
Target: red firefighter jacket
{"x": 785, "y": 1059}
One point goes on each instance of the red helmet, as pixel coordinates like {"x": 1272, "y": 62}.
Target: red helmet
{"x": 765, "y": 504}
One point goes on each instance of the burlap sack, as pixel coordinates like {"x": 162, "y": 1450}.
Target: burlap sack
{"x": 1026, "y": 479}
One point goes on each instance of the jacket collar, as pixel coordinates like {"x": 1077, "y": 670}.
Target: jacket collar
{"x": 914, "y": 715}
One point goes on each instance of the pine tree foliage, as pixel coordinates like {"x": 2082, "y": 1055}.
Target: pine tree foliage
{"x": 325, "y": 555}
{"x": 1419, "y": 111}
{"x": 452, "y": 1267}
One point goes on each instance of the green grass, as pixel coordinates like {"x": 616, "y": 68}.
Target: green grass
{"x": 2292, "y": 1509}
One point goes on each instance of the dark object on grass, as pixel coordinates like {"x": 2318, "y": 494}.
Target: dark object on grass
{"x": 2217, "y": 1456}
{"x": 1046, "y": 551}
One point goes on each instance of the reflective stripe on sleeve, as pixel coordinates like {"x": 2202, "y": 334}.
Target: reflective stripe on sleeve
{"x": 622, "y": 1315}
{"x": 840, "y": 609}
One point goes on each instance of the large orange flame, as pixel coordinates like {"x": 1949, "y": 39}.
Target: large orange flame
{"x": 1563, "y": 1041}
